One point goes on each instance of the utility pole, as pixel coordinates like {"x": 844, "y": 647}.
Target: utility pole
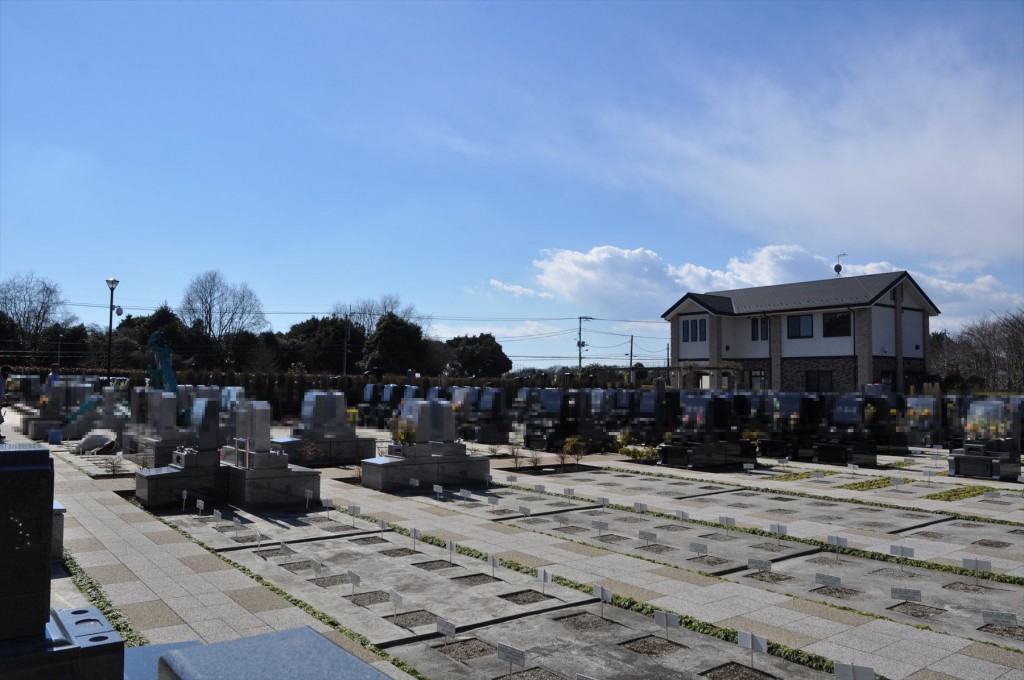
{"x": 348, "y": 334}
{"x": 631, "y": 360}
{"x": 579, "y": 339}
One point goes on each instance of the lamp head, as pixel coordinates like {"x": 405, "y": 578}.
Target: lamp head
{"x": 112, "y": 283}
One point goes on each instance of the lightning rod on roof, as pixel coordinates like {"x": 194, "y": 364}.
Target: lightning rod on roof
{"x": 838, "y": 269}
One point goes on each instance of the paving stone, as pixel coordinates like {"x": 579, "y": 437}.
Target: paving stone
{"x": 152, "y": 614}
{"x": 257, "y": 599}
{"x": 204, "y": 563}
{"x": 112, "y": 573}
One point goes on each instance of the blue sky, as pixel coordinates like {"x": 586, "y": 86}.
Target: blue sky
{"x": 508, "y": 167}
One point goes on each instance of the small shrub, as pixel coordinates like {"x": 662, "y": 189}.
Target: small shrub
{"x": 640, "y": 454}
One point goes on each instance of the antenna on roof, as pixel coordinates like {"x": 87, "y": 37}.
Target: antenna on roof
{"x": 838, "y": 269}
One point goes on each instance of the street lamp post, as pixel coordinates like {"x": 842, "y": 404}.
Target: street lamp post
{"x": 111, "y": 284}
{"x": 60, "y": 339}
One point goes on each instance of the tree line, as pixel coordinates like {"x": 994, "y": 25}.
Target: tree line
{"x": 220, "y": 325}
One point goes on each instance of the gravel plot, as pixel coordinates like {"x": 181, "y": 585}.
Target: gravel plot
{"x": 867, "y": 510}
{"x": 838, "y": 593}
{"x": 824, "y": 559}
{"x": 745, "y": 493}
{"x": 769, "y": 576}
{"x": 657, "y": 548}
{"x": 268, "y": 552}
{"x": 711, "y": 488}
{"x": 314, "y": 519}
{"x": 610, "y": 484}
{"x": 434, "y": 565}
{"x": 208, "y": 518}
{"x": 995, "y": 502}
{"x": 535, "y": 520}
{"x": 611, "y": 538}
{"x": 931, "y": 535}
{"x": 328, "y": 581}
{"x": 875, "y": 525}
{"x": 463, "y": 650}
{"x": 965, "y": 525}
{"x": 595, "y": 513}
{"x": 680, "y": 483}
{"x": 475, "y": 579}
{"x": 894, "y": 573}
{"x": 822, "y": 504}
{"x": 398, "y": 552}
{"x": 333, "y": 526}
{"x": 366, "y": 599}
{"x": 741, "y": 505}
{"x": 988, "y": 543}
{"x": 917, "y": 610}
{"x": 525, "y": 597}
{"x": 501, "y": 511}
{"x": 470, "y": 504}
{"x": 531, "y": 499}
{"x": 736, "y": 671}
{"x": 532, "y": 674}
{"x": 782, "y": 511}
{"x": 559, "y": 504}
{"x": 1017, "y": 531}
{"x": 718, "y": 537}
{"x": 420, "y": 617}
{"x": 672, "y": 527}
{"x": 249, "y": 538}
{"x": 230, "y": 527}
{"x": 770, "y": 547}
{"x": 708, "y": 560}
{"x": 632, "y": 520}
{"x": 584, "y": 621}
{"x": 967, "y": 587}
{"x": 782, "y": 499}
{"x": 296, "y": 566}
{"x": 825, "y": 518}
{"x": 571, "y": 529}
{"x": 1015, "y": 632}
{"x": 913, "y": 515}
{"x": 622, "y": 475}
{"x": 368, "y": 540}
{"x": 652, "y": 645}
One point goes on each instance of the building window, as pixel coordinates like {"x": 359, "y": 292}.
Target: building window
{"x": 703, "y": 330}
{"x": 686, "y": 330}
{"x": 801, "y": 326}
{"x": 759, "y": 328}
{"x": 693, "y": 330}
{"x": 818, "y": 381}
{"x": 836, "y": 325}
{"x": 757, "y": 379}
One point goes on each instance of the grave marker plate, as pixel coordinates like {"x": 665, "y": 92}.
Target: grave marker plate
{"x": 905, "y": 594}
{"x": 184, "y": 494}
{"x": 605, "y": 594}
{"x": 853, "y": 467}
{"x": 308, "y": 493}
{"x": 747, "y": 467}
{"x": 817, "y": 474}
{"x": 494, "y": 561}
{"x": 838, "y": 541}
{"x": 217, "y": 516}
{"x": 649, "y": 536}
{"x": 848, "y": 671}
{"x": 973, "y": 564}
{"x": 991, "y": 495}
{"x": 201, "y": 505}
{"x": 466, "y": 494}
{"x": 682, "y": 514}
{"x": 317, "y": 567}
{"x": 395, "y": 597}
{"x": 755, "y": 643}
{"x": 1006, "y": 619}
{"x": 438, "y": 489}
{"x": 511, "y": 479}
{"x": 640, "y": 507}
{"x": 382, "y": 524}
{"x": 445, "y": 627}
{"x": 602, "y": 501}
{"x": 562, "y": 520}
{"x": 511, "y": 654}
{"x": 568, "y": 491}
{"x": 727, "y": 521}
{"x": 665, "y": 619}
{"x": 897, "y": 481}
{"x": 353, "y": 510}
{"x": 328, "y": 504}
{"x": 544, "y": 576}
{"x": 493, "y": 500}
{"x": 414, "y": 483}
{"x": 539, "y": 488}
{"x": 699, "y": 548}
{"x": 353, "y": 578}
{"x": 779, "y": 529}
{"x": 580, "y": 676}
{"x": 286, "y": 549}
{"x": 901, "y": 551}
{"x": 237, "y": 522}
{"x": 760, "y": 565}
{"x": 599, "y": 525}
{"x": 524, "y": 511}
{"x": 828, "y": 580}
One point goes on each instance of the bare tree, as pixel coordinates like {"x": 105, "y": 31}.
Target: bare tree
{"x": 33, "y": 304}
{"x": 515, "y": 452}
{"x": 221, "y": 308}
{"x": 368, "y": 311}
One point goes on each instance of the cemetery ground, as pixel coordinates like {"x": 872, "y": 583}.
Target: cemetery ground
{"x": 724, "y": 552}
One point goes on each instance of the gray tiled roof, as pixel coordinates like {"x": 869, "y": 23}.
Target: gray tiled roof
{"x": 849, "y": 291}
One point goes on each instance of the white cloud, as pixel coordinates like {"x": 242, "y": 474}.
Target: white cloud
{"x": 518, "y": 291}
{"x": 618, "y": 283}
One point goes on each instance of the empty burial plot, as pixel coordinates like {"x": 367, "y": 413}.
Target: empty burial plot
{"x": 949, "y": 603}
{"x": 582, "y": 640}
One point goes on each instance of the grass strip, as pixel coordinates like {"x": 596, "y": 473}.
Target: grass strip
{"x": 97, "y": 598}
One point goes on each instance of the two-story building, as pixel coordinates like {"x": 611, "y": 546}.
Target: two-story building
{"x": 833, "y": 335}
